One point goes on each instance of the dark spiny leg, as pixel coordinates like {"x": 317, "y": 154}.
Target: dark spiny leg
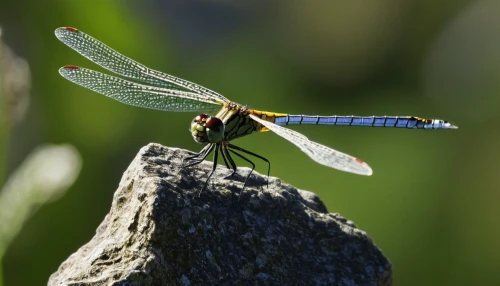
{"x": 224, "y": 157}
{"x": 216, "y": 155}
{"x": 246, "y": 159}
{"x": 198, "y": 158}
{"x": 231, "y": 161}
{"x": 255, "y": 155}
{"x": 202, "y": 153}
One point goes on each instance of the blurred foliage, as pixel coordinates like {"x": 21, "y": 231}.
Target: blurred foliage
{"x": 43, "y": 177}
{"x": 431, "y": 205}
{"x": 15, "y": 83}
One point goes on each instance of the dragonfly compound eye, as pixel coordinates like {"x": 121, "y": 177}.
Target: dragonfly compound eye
{"x": 206, "y": 129}
{"x": 215, "y": 129}
{"x": 198, "y": 129}
{"x": 201, "y": 117}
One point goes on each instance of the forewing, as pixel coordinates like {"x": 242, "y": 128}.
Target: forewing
{"x": 319, "y": 153}
{"x": 111, "y": 60}
{"x": 135, "y": 94}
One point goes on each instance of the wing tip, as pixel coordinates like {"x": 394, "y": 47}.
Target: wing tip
{"x": 61, "y": 31}
{"x": 66, "y": 70}
{"x": 367, "y": 170}
{"x": 70, "y": 67}
{"x": 70, "y": 29}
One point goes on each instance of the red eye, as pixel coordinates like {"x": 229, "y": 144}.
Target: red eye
{"x": 200, "y": 118}
{"x": 214, "y": 122}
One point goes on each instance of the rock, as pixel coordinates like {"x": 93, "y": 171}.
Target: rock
{"x": 161, "y": 230}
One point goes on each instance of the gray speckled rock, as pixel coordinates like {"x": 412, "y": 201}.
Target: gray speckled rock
{"x": 162, "y": 231}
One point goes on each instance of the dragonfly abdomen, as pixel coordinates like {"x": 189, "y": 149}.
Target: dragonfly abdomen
{"x": 369, "y": 121}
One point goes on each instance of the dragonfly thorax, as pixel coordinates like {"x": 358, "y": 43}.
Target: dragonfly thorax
{"x": 207, "y": 129}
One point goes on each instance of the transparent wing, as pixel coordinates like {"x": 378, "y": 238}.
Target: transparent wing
{"x": 111, "y": 60}
{"x": 132, "y": 93}
{"x": 319, "y": 153}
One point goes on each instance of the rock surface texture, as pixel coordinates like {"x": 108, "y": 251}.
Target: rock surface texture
{"x": 161, "y": 230}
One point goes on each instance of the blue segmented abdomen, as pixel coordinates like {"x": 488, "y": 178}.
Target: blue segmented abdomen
{"x": 369, "y": 121}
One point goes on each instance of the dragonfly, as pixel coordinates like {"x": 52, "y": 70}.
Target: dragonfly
{"x": 144, "y": 87}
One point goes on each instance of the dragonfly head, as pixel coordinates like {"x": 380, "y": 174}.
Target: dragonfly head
{"x": 207, "y": 129}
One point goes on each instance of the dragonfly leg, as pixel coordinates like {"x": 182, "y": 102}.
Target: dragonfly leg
{"x": 246, "y": 159}
{"x": 216, "y": 155}
{"x": 198, "y": 158}
{"x": 255, "y": 155}
{"x": 224, "y": 157}
{"x": 201, "y": 153}
{"x": 231, "y": 161}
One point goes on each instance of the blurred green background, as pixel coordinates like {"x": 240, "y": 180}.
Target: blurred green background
{"x": 432, "y": 203}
